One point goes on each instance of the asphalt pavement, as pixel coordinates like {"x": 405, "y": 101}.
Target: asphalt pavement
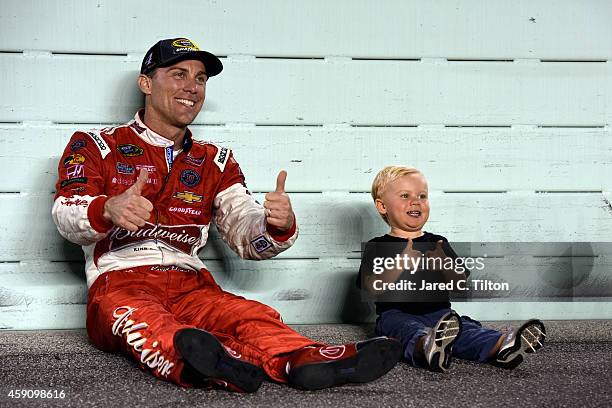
{"x": 572, "y": 370}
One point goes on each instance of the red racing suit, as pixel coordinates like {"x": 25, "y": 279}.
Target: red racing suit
{"x": 146, "y": 285}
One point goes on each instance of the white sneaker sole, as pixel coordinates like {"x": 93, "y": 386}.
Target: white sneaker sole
{"x": 438, "y": 353}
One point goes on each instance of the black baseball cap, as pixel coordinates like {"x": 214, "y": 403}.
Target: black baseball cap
{"x": 170, "y": 51}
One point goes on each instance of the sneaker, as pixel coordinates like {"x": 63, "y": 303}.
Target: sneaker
{"x": 206, "y": 356}
{"x": 314, "y": 368}
{"x": 528, "y": 338}
{"x": 438, "y": 342}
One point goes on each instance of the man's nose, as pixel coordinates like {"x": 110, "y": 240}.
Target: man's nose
{"x": 190, "y": 85}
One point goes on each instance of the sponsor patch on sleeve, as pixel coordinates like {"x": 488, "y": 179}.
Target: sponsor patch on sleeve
{"x": 74, "y": 159}
{"x": 76, "y": 171}
{"x": 78, "y": 145}
{"x": 221, "y": 157}
{"x": 102, "y": 145}
{"x": 68, "y": 202}
{"x": 80, "y": 180}
{"x": 261, "y": 244}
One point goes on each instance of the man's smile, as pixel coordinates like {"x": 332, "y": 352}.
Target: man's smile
{"x": 185, "y": 102}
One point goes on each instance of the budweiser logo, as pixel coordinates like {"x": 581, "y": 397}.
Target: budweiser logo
{"x": 76, "y": 202}
{"x": 131, "y": 330}
{"x": 184, "y": 238}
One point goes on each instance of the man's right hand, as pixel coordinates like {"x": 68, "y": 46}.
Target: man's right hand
{"x": 130, "y": 210}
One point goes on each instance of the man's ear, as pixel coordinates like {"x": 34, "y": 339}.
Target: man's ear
{"x": 144, "y": 83}
{"x": 380, "y": 206}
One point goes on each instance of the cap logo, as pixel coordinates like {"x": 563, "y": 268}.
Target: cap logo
{"x": 149, "y": 59}
{"x": 183, "y": 44}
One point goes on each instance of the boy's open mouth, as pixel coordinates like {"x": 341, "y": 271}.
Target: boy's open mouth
{"x": 414, "y": 213}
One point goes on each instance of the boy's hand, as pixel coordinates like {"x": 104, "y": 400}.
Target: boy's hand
{"x": 278, "y": 206}
{"x": 448, "y": 268}
{"x": 413, "y": 254}
{"x": 438, "y": 253}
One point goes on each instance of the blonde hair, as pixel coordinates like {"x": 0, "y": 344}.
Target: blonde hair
{"x": 386, "y": 176}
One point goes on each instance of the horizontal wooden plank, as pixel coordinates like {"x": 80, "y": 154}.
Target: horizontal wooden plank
{"x": 334, "y": 225}
{"x": 539, "y": 159}
{"x": 43, "y": 317}
{"x": 102, "y": 89}
{"x": 72, "y": 316}
{"x": 537, "y": 249}
{"x": 42, "y": 283}
{"x": 315, "y": 293}
{"x": 320, "y": 281}
{"x": 398, "y": 29}
{"x": 52, "y": 296}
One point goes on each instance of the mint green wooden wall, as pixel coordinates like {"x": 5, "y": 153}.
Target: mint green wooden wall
{"x": 505, "y": 106}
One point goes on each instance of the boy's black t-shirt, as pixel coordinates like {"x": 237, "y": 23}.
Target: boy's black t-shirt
{"x": 430, "y": 240}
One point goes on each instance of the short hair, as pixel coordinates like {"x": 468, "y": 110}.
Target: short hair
{"x": 388, "y": 175}
{"x": 152, "y": 73}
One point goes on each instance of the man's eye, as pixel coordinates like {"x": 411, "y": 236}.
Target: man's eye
{"x": 423, "y": 196}
{"x": 201, "y": 80}
{"x": 179, "y": 75}
{"x": 404, "y": 195}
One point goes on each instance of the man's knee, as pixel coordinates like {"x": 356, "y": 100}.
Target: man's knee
{"x": 259, "y": 309}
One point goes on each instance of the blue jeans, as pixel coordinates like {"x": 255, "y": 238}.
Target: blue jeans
{"x": 474, "y": 342}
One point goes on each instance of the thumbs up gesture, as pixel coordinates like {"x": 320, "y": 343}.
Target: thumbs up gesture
{"x": 130, "y": 210}
{"x": 413, "y": 255}
{"x": 278, "y": 206}
{"x": 439, "y": 255}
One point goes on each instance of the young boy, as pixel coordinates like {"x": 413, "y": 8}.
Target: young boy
{"x": 429, "y": 330}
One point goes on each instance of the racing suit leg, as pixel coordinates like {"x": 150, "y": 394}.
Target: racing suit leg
{"x": 252, "y": 330}
{"x": 127, "y": 312}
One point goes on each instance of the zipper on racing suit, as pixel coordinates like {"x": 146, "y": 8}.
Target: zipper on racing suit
{"x": 169, "y": 155}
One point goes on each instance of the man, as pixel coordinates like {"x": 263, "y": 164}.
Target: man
{"x": 140, "y": 198}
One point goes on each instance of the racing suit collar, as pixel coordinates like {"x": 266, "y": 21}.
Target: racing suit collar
{"x": 155, "y": 139}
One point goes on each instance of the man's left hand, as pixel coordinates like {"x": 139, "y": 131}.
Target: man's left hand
{"x": 278, "y": 206}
